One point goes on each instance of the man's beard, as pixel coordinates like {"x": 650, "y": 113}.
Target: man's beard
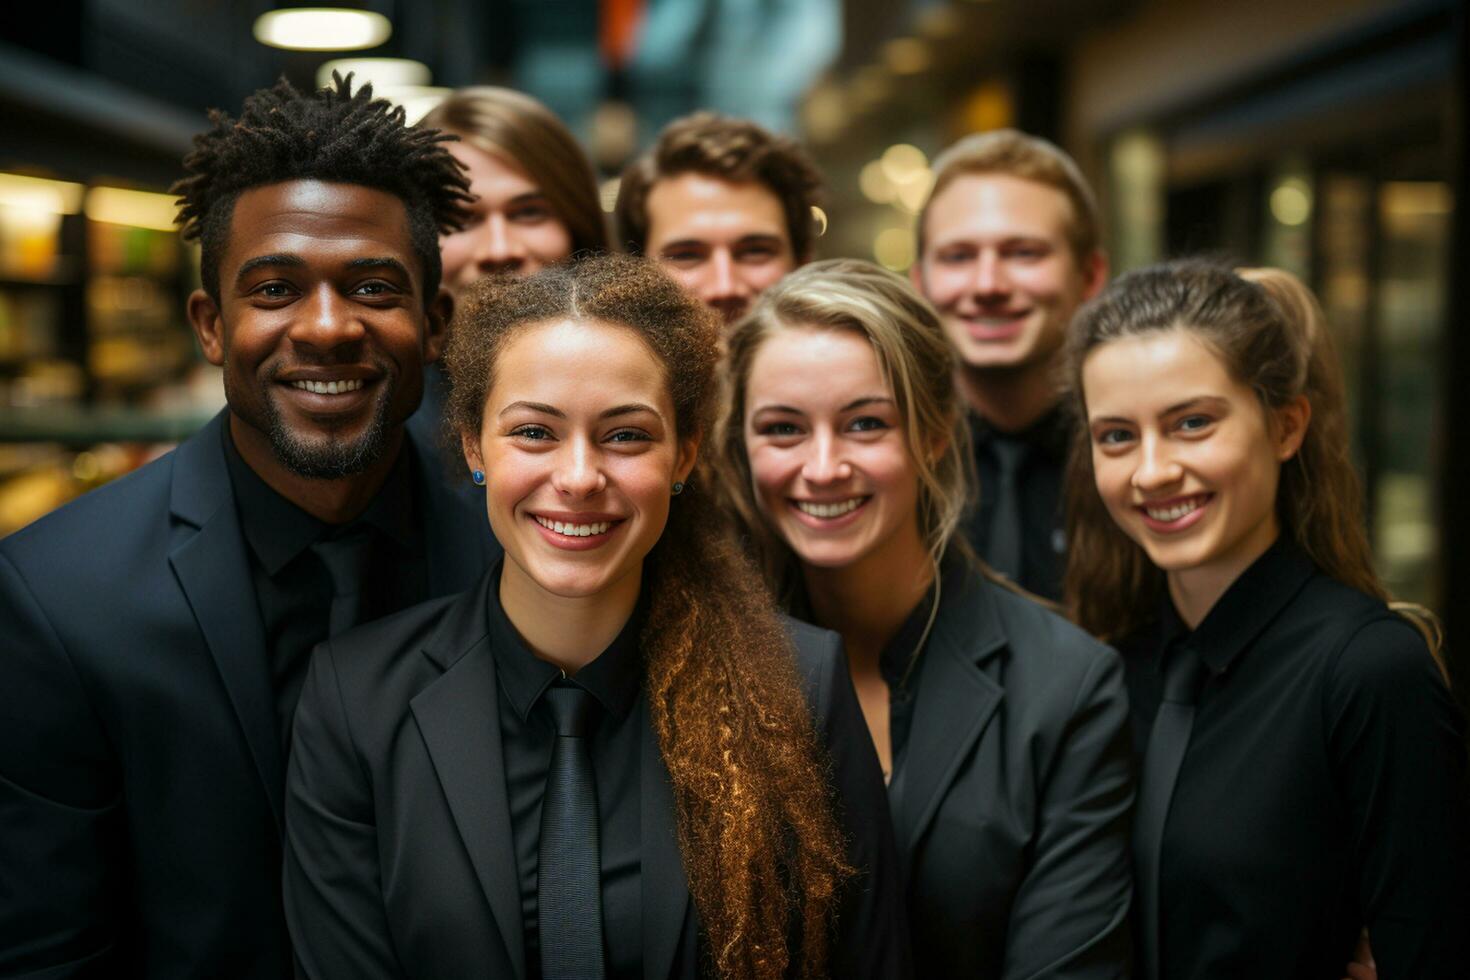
{"x": 328, "y": 457}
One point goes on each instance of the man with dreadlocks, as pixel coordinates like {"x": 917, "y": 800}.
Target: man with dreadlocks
{"x": 156, "y": 632}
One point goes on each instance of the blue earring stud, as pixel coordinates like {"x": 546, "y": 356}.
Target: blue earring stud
{"x": 478, "y": 476}
{"x": 678, "y": 488}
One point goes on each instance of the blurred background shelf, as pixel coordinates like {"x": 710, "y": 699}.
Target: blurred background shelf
{"x": 77, "y": 426}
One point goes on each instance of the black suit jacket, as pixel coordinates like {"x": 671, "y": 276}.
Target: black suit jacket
{"x": 1014, "y": 804}
{"x": 399, "y": 859}
{"x": 141, "y": 779}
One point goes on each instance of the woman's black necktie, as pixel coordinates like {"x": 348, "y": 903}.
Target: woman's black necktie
{"x": 1184, "y": 675}
{"x": 569, "y": 884}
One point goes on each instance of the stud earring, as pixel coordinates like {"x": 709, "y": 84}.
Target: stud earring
{"x": 478, "y": 476}
{"x": 678, "y": 488}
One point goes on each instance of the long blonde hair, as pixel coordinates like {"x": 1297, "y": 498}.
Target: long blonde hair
{"x": 1269, "y": 331}
{"x": 917, "y": 363}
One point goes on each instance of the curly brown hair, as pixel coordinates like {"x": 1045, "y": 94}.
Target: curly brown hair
{"x": 762, "y": 849}
{"x": 736, "y": 150}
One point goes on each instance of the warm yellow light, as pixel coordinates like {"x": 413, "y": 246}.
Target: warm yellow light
{"x": 819, "y": 218}
{"x": 906, "y": 55}
{"x": 1291, "y": 202}
{"x": 416, "y": 100}
{"x": 913, "y": 192}
{"x": 380, "y": 71}
{"x": 608, "y": 193}
{"x": 39, "y": 194}
{"x": 904, "y": 162}
{"x": 894, "y": 249}
{"x": 322, "y": 29}
{"x": 874, "y": 183}
{"x": 140, "y": 209}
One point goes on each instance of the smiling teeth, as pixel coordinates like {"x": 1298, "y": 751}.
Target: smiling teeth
{"x": 828, "y": 510}
{"x": 328, "y": 387}
{"x": 1171, "y": 514}
{"x": 575, "y": 530}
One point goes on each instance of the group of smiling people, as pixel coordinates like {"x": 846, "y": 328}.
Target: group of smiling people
{"x": 696, "y": 492}
{"x": 741, "y": 700}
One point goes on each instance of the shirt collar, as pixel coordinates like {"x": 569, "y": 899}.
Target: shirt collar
{"x": 1049, "y": 435}
{"x": 1245, "y": 610}
{"x": 278, "y": 531}
{"x": 275, "y": 528}
{"x": 613, "y": 677}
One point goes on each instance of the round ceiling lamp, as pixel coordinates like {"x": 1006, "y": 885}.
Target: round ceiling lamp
{"x": 322, "y": 29}
{"x": 382, "y": 72}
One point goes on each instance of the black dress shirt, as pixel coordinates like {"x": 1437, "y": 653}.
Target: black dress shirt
{"x": 1043, "y": 537}
{"x": 292, "y": 585}
{"x": 902, "y": 664}
{"x": 1323, "y": 789}
{"x": 527, "y": 735}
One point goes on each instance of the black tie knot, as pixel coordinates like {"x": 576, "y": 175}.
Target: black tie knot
{"x": 573, "y": 710}
{"x": 345, "y": 555}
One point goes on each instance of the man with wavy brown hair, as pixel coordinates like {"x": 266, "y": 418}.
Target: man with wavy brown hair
{"x": 723, "y": 205}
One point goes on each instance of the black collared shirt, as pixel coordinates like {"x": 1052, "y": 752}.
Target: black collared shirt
{"x": 902, "y": 663}
{"x": 615, "y": 679}
{"x": 1043, "y": 537}
{"x": 1323, "y": 789}
{"x": 292, "y": 585}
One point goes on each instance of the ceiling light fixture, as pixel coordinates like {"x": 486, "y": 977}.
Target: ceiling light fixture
{"x": 322, "y": 29}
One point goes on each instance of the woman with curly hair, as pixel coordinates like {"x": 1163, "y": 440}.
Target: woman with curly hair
{"x": 1303, "y": 772}
{"x": 1002, "y": 728}
{"x": 612, "y": 758}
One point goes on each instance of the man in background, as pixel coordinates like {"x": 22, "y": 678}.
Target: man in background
{"x": 725, "y": 207}
{"x": 1009, "y": 248}
{"x": 157, "y": 631}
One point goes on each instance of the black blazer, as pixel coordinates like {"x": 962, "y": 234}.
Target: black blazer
{"x": 1014, "y": 804}
{"x": 399, "y": 859}
{"x": 141, "y": 782}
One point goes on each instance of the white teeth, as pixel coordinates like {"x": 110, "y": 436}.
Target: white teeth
{"x": 574, "y": 530}
{"x": 328, "y": 387}
{"x": 828, "y": 510}
{"x": 1171, "y": 514}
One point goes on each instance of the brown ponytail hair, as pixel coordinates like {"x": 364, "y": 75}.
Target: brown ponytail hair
{"x": 1270, "y": 333}
{"x": 762, "y": 849}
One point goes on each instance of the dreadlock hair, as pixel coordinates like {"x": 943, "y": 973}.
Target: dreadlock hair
{"x": 334, "y": 135}
{"x": 761, "y": 848}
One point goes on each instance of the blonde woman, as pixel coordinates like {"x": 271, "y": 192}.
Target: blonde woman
{"x": 1001, "y": 728}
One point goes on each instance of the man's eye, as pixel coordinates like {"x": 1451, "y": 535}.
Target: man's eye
{"x": 755, "y": 254}
{"x": 683, "y": 257}
{"x": 375, "y": 288}
{"x": 273, "y": 290}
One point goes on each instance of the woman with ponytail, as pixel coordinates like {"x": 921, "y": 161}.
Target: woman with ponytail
{"x": 612, "y": 758}
{"x": 1303, "y": 773}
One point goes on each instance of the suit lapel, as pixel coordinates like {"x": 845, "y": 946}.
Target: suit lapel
{"x": 665, "y": 888}
{"x": 953, "y": 706}
{"x": 459, "y": 718}
{"x": 213, "y": 570}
